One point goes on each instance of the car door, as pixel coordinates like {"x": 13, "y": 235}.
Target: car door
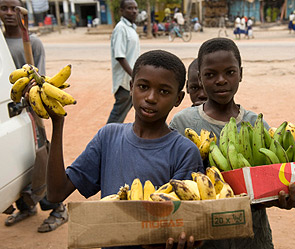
{"x": 17, "y": 138}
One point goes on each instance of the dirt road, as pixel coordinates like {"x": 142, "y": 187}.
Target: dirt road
{"x": 267, "y": 87}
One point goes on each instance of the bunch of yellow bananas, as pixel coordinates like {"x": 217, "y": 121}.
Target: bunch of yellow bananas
{"x": 202, "y": 187}
{"x": 202, "y": 141}
{"x": 253, "y": 145}
{"x": 48, "y": 91}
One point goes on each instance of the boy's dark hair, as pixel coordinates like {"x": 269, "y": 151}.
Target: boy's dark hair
{"x": 163, "y": 59}
{"x": 218, "y": 44}
{"x": 193, "y": 66}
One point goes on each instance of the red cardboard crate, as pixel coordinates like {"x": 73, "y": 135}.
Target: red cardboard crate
{"x": 261, "y": 183}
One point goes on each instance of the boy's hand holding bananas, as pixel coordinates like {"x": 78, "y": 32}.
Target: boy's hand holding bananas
{"x": 48, "y": 92}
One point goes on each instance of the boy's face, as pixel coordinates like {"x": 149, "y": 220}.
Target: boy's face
{"x": 154, "y": 93}
{"x": 8, "y": 12}
{"x": 130, "y": 10}
{"x": 195, "y": 89}
{"x": 220, "y": 76}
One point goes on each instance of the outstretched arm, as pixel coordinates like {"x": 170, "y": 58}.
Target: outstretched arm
{"x": 59, "y": 186}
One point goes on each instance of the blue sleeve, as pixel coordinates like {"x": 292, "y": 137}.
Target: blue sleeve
{"x": 188, "y": 160}
{"x": 85, "y": 171}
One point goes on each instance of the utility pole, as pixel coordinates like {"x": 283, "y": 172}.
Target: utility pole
{"x": 149, "y": 26}
{"x": 57, "y": 12}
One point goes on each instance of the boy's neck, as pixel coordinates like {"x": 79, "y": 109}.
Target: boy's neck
{"x": 150, "y": 130}
{"x": 221, "y": 112}
{"x": 12, "y": 32}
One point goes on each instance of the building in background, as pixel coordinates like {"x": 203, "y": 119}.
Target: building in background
{"x": 84, "y": 10}
{"x": 207, "y": 11}
{"x": 261, "y": 11}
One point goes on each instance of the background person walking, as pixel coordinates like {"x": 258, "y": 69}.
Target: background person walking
{"x": 222, "y": 25}
{"x": 124, "y": 52}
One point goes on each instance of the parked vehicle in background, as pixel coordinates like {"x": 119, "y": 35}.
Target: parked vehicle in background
{"x": 20, "y": 137}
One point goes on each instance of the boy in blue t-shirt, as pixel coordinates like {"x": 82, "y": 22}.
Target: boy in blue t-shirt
{"x": 146, "y": 149}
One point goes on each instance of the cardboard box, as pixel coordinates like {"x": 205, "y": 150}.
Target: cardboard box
{"x": 120, "y": 223}
{"x": 261, "y": 183}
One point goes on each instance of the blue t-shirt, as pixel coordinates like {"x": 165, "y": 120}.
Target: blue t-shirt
{"x": 116, "y": 155}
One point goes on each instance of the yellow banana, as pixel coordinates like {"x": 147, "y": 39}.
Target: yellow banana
{"x": 128, "y": 195}
{"x": 123, "y": 192}
{"x": 29, "y": 67}
{"x": 205, "y": 186}
{"x": 226, "y": 191}
{"x": 173, "y": 194}
{"x": 185, "y": 189}
{"x": 205, "y": 148}
{"x": 205, "y": 145}
{"x": 17, "y": 74}
{"x": 218, "y": 172}
{"x": 17, "y": 89}
{"x": 136, "y": 191}
{"x": 218, "y": 185}
{"x": 166, "y": 188}
{"x": 58, "y": 94}
{"x": 193, "y": 136}
{"x": 64, "y": 86}
{"x": 164, "y": 197}
{"x": 204, "y": 134}
{"x": 53, "y": 104}
{"x": 213, "y": 174}
{"x": 272, "y": 131}
{"x": 36, "y": 102}
{"x": 291, "y": 128}
{"x": 148, "y": 189}
{"x": 113, "y": 197}
{"x": 61, "y": 77}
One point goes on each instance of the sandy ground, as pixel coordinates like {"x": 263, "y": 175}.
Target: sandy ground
{"x": 266, "y": 87}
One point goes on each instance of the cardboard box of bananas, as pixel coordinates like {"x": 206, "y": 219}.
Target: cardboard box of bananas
{"x": 142, "y": 215}
{"x": 48, "y": 91}
{"x": 238, "y": 152}
{"x": 202, "y": 187}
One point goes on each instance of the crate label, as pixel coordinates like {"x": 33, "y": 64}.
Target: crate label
{"x": 230, "y": 218}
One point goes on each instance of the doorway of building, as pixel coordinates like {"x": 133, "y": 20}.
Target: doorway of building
{"x": 272, "y": 10}
{"x": 88, "y": 12}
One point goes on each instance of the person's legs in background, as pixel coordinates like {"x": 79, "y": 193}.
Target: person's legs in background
{"x": 121, "y": 107}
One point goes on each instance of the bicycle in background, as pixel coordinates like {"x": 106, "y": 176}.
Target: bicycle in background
{"x": 181, "y": 31}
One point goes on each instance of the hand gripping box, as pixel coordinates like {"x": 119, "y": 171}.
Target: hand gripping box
{"x": 95, "y": 224}
{"x": 261, "y": 183}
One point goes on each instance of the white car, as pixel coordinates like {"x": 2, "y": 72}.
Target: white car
{"x": 19, "y": 139}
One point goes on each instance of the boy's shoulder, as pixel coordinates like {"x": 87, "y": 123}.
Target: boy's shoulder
{"x": 189, "y": 114}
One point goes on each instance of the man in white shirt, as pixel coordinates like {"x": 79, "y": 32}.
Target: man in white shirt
{"x": 124, "y": 52}
{"x": 179, "y": 17}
